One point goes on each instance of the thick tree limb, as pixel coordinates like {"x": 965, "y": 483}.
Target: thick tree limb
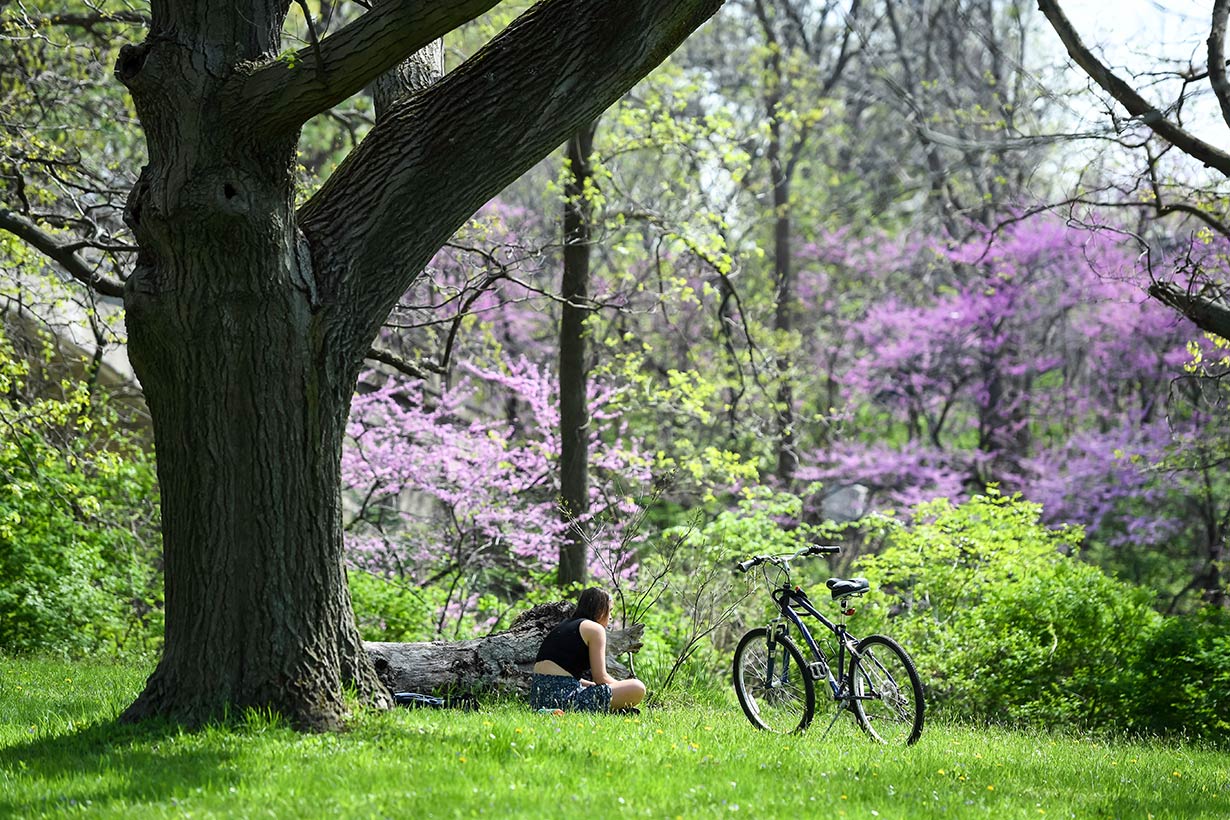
{"x": 63, "y": 255}
{"x": 1128, "y": 97}
{"x": 1211, "y": 315}
{"x": 288, "y": 92}
{"x": 1217, "y": 57}
{"x": 497, "y": 663}
{"x": 465, "y": 138}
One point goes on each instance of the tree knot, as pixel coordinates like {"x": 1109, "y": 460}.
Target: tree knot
{"x": 130, "y": 62}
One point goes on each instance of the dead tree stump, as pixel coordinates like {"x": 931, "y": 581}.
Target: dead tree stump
{"x": 499, "y": 663}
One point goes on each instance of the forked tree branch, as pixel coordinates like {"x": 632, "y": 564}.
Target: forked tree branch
{"x": 288, "y": 92}
{"x": 846, "y": 53}
{"x": 62, "y": 254}
{"x": 439, "y": 156}
{"x": 1128, "y": 97}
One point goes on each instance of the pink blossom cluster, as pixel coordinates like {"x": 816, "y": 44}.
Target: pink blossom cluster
{"x": 445, "y": 487}
{"x": 1031, "y": 358}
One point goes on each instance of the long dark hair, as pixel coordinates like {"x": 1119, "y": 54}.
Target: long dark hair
{"x": 594, "y": 603}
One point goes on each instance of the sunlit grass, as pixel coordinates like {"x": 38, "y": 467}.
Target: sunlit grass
{"x": 61, "y": 753}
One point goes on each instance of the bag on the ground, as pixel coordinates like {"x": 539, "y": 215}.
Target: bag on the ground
{"x": 414, "y": 700}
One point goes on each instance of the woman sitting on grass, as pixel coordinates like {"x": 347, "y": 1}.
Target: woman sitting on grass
{"x": 574, "y": 646}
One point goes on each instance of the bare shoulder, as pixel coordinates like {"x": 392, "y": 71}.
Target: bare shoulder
{"x": 591, "y": 629}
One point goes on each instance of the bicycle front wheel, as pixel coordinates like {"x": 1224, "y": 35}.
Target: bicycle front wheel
{"x": 773, "y": 683}
{"x": 888, "y": 696}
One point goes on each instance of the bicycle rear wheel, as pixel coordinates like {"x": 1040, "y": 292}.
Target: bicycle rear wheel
{"x": 773, "y": 683}
{"x": 888, "y": 696}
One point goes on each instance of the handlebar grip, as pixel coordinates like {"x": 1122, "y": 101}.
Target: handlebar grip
{"x": 824, "y": 549}
{"x": 744, "y": 566}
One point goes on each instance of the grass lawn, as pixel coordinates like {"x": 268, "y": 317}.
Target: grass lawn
{"x": 61, "y": 753}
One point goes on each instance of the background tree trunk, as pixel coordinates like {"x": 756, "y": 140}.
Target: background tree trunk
{"x": 783, "y": 313}
{"x": 573, "y": 369}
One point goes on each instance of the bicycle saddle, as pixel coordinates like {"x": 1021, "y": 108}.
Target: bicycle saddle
{"x": 842, "y": 587}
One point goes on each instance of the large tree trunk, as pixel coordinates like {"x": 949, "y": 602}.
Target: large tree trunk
{"x": 499, "y": 663}
{"x": 248, "y": 409}
{"x": 248, "y": 426}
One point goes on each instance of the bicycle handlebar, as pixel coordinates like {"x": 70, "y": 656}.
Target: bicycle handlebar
{"x": 814, "y": 549}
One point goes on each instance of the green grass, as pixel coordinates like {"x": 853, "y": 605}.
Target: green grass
{"x": 61, "y": 753}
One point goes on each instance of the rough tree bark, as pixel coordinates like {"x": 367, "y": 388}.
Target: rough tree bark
{"x": 499, "y": 663}
{"x": 248, "y": 320}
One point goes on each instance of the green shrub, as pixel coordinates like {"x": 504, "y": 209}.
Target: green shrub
{"x": 1182, "y": 680}
{"x": 78, "y": 522}
{"x": 389, "y": 610}
{"x": 1004, "y": 623}
{"x": 754, "y": 526}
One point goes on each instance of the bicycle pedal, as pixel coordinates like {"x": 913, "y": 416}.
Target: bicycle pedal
{"x": 817, "y": 670}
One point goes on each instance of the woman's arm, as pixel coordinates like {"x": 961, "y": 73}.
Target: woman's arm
{"x": 595, "y": 638}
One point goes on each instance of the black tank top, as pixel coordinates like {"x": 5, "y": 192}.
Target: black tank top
{"x": 565, "y": 646}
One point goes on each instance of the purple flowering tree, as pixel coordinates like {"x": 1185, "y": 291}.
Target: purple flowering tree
{"x": 446, "y": 492}
{"x": 1031, "y": 359}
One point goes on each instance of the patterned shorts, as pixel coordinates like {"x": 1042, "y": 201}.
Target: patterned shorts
{"x": 563, "y": 692}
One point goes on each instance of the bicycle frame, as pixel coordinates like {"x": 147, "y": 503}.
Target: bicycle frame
{"x": 784, "y": 596}
{"x": 859, "y": 671}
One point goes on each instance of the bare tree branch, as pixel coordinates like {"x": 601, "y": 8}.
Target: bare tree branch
{"x": 1163, "y": 208}
{"x": 1191, "y": 210}
{"x": 311, "y": 27}
{"x": 62, "y": 254}
{"x": 287, "y": 92}
{"x": 90, "y": 20}
{"x": 412, "y": 369}
{"x": 1128, "y": 97}
{"x": 843, "y": 56}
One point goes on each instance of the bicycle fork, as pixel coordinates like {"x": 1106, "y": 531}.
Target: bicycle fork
{"x": 776, "y": 630}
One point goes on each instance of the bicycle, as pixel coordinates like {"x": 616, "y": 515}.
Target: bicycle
{"x": 873, "y": 678}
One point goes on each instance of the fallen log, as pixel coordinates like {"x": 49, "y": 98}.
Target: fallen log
{"x": 500, "y": 663}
